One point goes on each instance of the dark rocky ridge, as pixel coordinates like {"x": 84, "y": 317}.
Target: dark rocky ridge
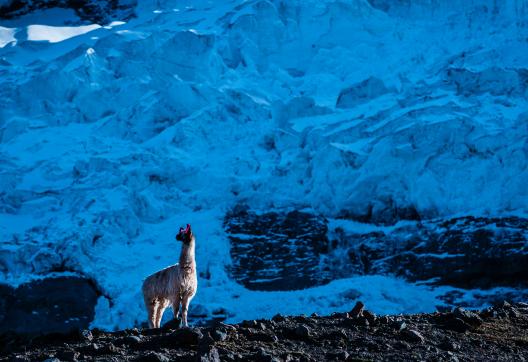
{"x": 465, "y": 252}
{"x": 95, "y": 11}
{"x": 292, "y": 250}
{"x": 58, "y": 304}
{"x": 498, "y": 333}
{"x": 277, "y": 251}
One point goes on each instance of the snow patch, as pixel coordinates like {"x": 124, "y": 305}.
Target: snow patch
{"x": 7, "y": 36}
{"x": 56, "y": 34}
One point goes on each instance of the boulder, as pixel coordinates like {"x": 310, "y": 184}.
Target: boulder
{"x": 60, "y": 305}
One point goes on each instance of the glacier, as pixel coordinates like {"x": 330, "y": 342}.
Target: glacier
{"x": 113, "y": 135}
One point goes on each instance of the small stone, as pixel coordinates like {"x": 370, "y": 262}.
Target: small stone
{"x": 255, "y": 335}
{"x": 451, "y": 357}
{"x": 132, "y": 340}
{"x": 154, "y": 357}
{"x": 314, "y": 315}
{"x": 448, "y": 345}
{"x": 467, "y": 316}
{"x": 513, "y": 313}
{"x": 211, "y": 355}
{"x": 504, "y": 305}
{"x": 443, "y": 308}
{"x": 357, "y": 310}
{"x": 206, "y": 341}
{"x": 457, "y": 325}
{"x": 340, "y": 356}
{"x": 401, "y": 345}
{"x": 174, "y": 323}
{"x": 521, "y": 305}
{"x": 228, "y": 327}
{"x": 303, "y": 331}
{"x": 188, "y": 336}
{"x": 248, "y": 331}
{"x": 489, "y": 313}
{"x": 278, "y": 318}
{"x": 340, "y": 334}
{"x": 68, "y": 355}
{"x": 219, "y": 335}
{"x": 87, "y": 335}
{"x": 384, "y": 319}
{"x": 20, "y": 358}
{"x": 371, "y": 317}
{"x": 110, "y": 349}
{"x": 412, "y": 335}
{"x": 362, "y": 321}
{"x": 399, "y": 325}
{"x": 343, "y": 355}
{"x": 248, "y": 324}
{"x": 265, "y": 356}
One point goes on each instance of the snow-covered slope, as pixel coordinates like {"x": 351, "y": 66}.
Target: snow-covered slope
{"x": 114, "y": 135}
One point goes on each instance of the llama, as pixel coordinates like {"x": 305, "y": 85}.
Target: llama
{"x": 174, "y": 285}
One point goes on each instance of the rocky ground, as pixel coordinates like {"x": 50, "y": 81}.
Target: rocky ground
{"x": 497, "y": 333}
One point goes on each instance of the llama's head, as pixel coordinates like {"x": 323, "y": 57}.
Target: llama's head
{"x": 185, "y": 235}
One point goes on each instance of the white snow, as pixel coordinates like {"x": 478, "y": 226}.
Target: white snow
{"x": 112, "y": 136}
{"x": 55, "y": 34}
{"x": 7, "y": 35}
{"x": 30, "y": 28}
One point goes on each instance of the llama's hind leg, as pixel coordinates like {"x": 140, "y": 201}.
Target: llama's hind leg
{"x": 161, "y": 309}
{"x": 152, "y": 306}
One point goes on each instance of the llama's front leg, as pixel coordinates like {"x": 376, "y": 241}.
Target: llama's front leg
{"x": 151, "y": 316}
{"x": 185, "y": 306}
{"x": 176, "y": 307}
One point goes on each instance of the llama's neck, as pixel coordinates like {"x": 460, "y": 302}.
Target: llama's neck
{"x": 187, "y": 254}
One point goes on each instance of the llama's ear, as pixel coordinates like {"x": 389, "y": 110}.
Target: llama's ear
{"x": 188, "y": 229}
